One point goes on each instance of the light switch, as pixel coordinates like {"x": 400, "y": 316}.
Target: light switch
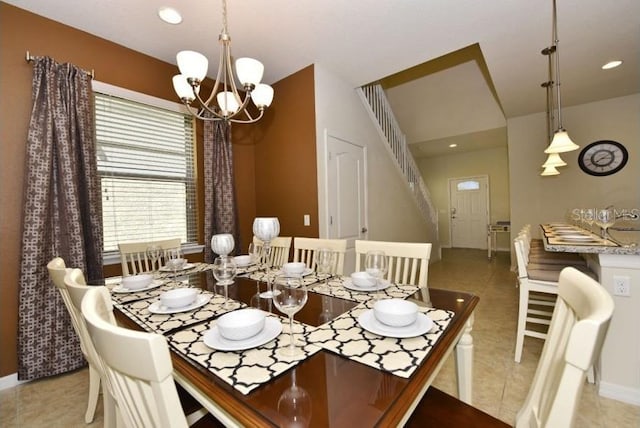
{"x": 307, "y": 220}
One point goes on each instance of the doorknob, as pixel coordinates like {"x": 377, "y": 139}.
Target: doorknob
{"x": 363, "y": 230}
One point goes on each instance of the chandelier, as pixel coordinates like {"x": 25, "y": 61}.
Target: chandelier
{"x": 225, "y": 102}
{"x": 553, "y": 160}
{"x": 561, "y": 142}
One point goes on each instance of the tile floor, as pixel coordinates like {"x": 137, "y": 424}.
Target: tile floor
{"x": 500, "y": 385}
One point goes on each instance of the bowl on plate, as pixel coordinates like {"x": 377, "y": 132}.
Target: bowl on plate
{"x": 242, "y": 261}
{"x": 363, "y": 279}
{"x": 179, "y": 297}
{"x": 395, "y": 312}
{"x": 176, "y": 264}
{"x": 241, "y": 324}
{"x": 136, "y": 282}
{"x": 294, "y": 268}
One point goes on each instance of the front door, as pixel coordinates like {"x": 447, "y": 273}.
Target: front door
{"x": 469, "y": 201}
{"x": 346, "y": 195}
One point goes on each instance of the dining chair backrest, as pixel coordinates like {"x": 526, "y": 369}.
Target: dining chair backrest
{"x": 408, "y": 261}
{"x": 304, "y": 250}
{"x": 574, "y": 341}
{"x": 138, "y": 365}
{"x": 134, "y": 259}
{"x": 280, "y": 247}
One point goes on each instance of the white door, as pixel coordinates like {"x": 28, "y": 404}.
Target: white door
{"x": 469, "y": 213}
{"x": 346, "y": 195}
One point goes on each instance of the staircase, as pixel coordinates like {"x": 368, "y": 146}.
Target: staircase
{"x": 373, "y": 96}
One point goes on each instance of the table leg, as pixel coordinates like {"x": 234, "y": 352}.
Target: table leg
{"x": 464, "y": 363}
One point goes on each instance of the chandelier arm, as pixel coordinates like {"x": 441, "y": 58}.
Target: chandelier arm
{"x": 557, "y": 60}
{"x": 250, "y": 120}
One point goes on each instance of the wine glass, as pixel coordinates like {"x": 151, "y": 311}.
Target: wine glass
{"x": 588, "y": 217}
{"x": 375, "y": 264}
{"x": 153, "y": 254}
{"x": 266, "y": 229}
{"x": 254, "y": 253}
{"x": 222, "y": 244}
{"x": 605, "y": 218}
{"x": 324, "y": 261}
{"x": 294, "y": 405}
{"x": 224, "y": 271}
{"x": 289, "y": 296}
{"x": 174, "y": 259}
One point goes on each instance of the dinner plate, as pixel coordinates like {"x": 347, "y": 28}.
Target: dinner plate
{"x": 422, "y": 325}
{"x": 307, "y": 271}
{"x": 577, "y": 237}
{"x": 185, "y": 267}
{"x": 157, "y": 308}
{"x": 154, "y": 284}
{"x": 272, "y": 328}
{"x": 381, "y": 285}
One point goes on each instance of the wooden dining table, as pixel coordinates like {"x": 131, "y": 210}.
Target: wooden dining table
{"x": 329, "y": 389}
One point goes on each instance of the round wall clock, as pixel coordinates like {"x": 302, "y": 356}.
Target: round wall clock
{"x": 603, "y": 157}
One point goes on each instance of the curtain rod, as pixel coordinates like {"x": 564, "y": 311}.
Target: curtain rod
{"x": 30, "y": 58}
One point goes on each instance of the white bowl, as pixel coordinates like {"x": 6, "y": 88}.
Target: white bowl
{"x": 296, "y": 268}
{"x": 242, "y": 261}
{"x": 241, "y": 324}
{"x": 363, "y": 279}
{"x": 136, "y": 282}
{"x": 179, "y": 297}
{"x": 395, "y": 312}
{"x": 176, "y": 264}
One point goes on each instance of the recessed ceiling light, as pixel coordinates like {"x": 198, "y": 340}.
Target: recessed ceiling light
{"x": 611, "y": 64}
{"x": 453, "y": 145}
{"x": 169, "y": 15}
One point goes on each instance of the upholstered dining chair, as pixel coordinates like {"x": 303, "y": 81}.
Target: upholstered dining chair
{"x": 134, "y": 258}
{"x": 408, "y": 261}
{"x": 280, "y": 247}
{"x": 578, "y": 328}
{"x": 304, "y": 250}
{"x": 57, "y": 272}
{"x": 138, "y": 367}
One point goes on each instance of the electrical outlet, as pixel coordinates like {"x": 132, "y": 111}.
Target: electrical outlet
{"x": 621, "y": 285}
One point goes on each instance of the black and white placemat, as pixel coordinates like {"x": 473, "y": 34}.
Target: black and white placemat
{"x": 307, "y": 280}
{"x": 401, "y": 357}
{"x": 248, "y": 369}
{"x": 335, "y": 287}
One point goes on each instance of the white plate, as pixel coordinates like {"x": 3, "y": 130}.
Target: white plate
{"x": 307, "y": 271}
{"x": 272, "y": 328}
{"x": 157, "y": 308}
{"x": 185, "y": 267}
{"x": 120, "y": 289}
{"x": 381, "y": 285}
{"x": 422, "y": 325}
{"x": 576, "y": 237}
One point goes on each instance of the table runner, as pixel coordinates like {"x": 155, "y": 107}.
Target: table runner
{"x": 248, "y": 369}
{"x": 335, "y": 288}
{"x": 306, "y": 280}
{"x": 401, "y": 357}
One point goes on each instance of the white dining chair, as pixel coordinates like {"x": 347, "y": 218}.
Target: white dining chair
{"x": 280, "y": 248}
{"x": 134, "y": 259}
{"x": 576, "y": 334}
{"x": 408, "y": 261}
{"x": 304, "y": 250}
{"x": 138, "y": 366}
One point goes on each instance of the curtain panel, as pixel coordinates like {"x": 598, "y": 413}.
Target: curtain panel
{"x": 62, "y": 215}
{"x": 220, "y": 207}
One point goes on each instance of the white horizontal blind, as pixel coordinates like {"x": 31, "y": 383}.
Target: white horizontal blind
{"x": 146, "y": 166}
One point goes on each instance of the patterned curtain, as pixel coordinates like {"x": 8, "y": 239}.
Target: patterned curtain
{"x": 220, "y": 209}
{"x": 62, "y": 215}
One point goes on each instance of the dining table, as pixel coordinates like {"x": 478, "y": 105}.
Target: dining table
{"x": 344, "y": 375}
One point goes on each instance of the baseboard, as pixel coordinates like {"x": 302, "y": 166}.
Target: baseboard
{"x": 620, "y": 393}
{"x": 10, "y": 381}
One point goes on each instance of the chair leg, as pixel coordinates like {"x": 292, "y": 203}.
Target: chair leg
{"x": 111, "y": 416}
{"x": 522, "y": 321}
{"x": 94, "y": 392}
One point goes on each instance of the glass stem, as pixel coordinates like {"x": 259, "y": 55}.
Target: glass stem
{"x": 292, "y": 346}
{"x": 226, "y": 296}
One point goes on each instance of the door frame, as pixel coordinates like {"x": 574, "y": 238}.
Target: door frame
{"x": 488, "y": 201}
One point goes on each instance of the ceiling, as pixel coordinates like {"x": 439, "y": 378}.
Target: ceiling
{"x": 368, "y": 40}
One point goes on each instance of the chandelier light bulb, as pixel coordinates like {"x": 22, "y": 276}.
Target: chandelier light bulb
{"x": 249, "y": 71}
{"x": 262, "y": 96}
{"x": 561, "y": 143}
{"x": 192, "y": 65}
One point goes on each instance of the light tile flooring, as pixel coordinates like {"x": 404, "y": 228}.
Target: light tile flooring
{"x": 499, "y": 388}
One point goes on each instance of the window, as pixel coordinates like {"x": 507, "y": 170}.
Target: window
{"x": 468, "y": 185}
{"x": 146, "y": 167}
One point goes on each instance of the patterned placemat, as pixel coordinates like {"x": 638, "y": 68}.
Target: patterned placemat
{"x": 245, "y": 271}
{"x": 125, "y": 298}
{"x": 312, "y": 278}
{"x": 401, "y": 357}
{"x": 164, "y": 323}
{"x": 197, "y": 267}
{"x": 336, "y": 288}
{"x": 248, "y": 369}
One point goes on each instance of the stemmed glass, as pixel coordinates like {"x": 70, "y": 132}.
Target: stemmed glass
{"x": 294, "y": 405}
{"x": 222, "y": 244}
{"x": 588, "y": 217}
{"x": 254, "y": 253}
{"x": 224, "y": 271}
{"x": 289, "y": 296}
{"x": 375, "y": 264}
{"x": 324, "y": 261}
{"x": 605, "y": 218}
{"x": 174, "y": 259}
{"x": 266, "y": 229}
{"x": 153, "y": 254}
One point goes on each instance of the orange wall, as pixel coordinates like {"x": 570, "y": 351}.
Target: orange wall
{"x": 21, "y": 31}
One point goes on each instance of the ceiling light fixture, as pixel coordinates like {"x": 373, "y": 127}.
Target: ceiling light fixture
{"x": 453, "y": 145}
{"x": 553, "y": 160}
{"x": 612, "y": 64}
{"x": 550, "y": 170}
{"x": 561, "y": 142}
{"x": 169, "y": 15}
{"x": 228, "y": 104}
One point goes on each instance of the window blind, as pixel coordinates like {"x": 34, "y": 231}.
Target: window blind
{"x": 146, "y": 167}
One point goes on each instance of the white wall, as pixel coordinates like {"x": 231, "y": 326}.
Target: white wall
{"x": 392, "y": 212}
